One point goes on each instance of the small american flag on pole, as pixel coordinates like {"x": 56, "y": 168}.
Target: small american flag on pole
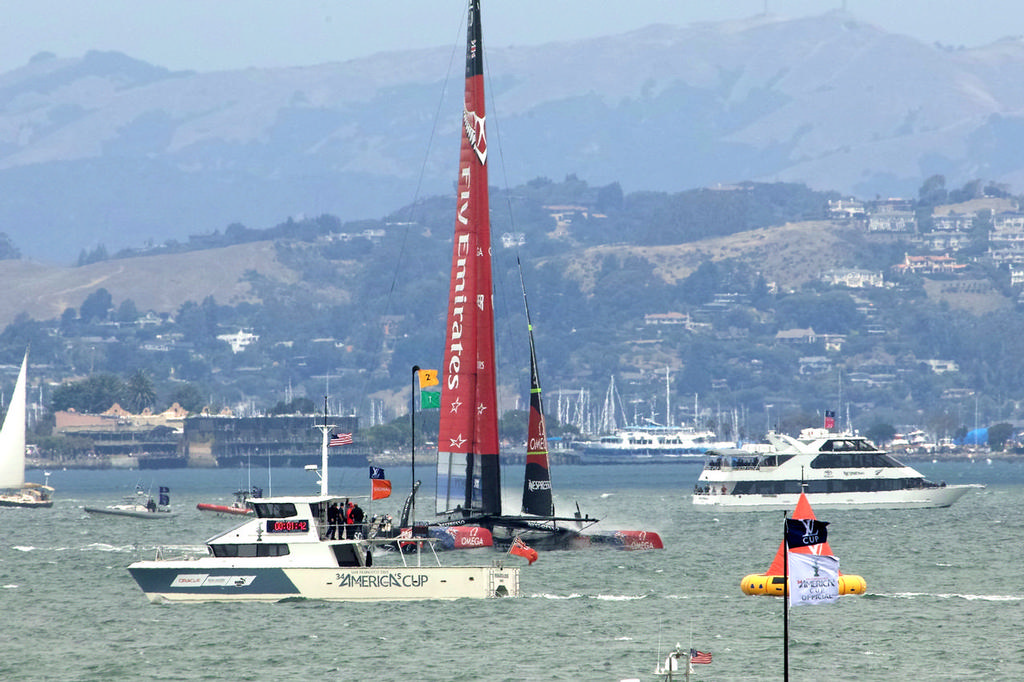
{"x": 699, "y": 656}
{"x": 339, "y": 439}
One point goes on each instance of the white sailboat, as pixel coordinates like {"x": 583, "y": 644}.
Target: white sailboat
{"x": 14, "y": 491}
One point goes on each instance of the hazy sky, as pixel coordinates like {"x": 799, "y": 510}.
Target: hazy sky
{"x": 208, "y": 35}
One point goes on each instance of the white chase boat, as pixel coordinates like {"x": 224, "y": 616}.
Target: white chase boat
{"x": 836, "y": 470}
{"x": 141, "y": 505}
{"x": 14, "y": 491}
{"x": 287, "y": 551}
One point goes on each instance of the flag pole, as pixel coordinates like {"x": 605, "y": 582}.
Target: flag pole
{"x": 689, "y": 654}
{"x": 412, "y": 437}
{"x": 785, "y": 601}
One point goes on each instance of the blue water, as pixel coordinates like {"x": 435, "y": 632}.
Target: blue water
{"x": 943, "y": 598}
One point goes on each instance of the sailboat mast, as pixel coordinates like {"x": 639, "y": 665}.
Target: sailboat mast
{"x": 469, "y": 476}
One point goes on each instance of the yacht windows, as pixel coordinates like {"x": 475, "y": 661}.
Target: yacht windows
{"x": 853, "y": 460}
{"x": 847, "y": 445}
{"x": 774, "y": 460}
{"x": 274, "y": 510}
{"x": 858, "y": 485}
{"x": 253, "y": 549}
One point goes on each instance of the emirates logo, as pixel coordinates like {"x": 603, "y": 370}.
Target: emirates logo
{"x": 476, "y": 134}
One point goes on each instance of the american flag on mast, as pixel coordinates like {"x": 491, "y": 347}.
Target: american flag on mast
{"x": 699, "y": 656}
{"x": 830, "y": 419}
{"x": 339, "y": 439}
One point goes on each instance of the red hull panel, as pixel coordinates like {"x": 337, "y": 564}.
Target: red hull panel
{"x": 223, "y": 509}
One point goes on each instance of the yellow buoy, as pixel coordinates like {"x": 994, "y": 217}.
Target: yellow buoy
{"x": 775, "y": 585}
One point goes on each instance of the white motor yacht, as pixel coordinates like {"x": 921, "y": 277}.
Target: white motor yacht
{"x": 836, "y": 470}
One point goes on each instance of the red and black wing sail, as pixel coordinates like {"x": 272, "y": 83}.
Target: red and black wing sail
{"x": 468, "y": 469}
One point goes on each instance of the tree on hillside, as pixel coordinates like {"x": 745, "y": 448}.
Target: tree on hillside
{"x": 189, "y": 397}
{"x": 127, "y": 312}
{"x": 24, "y": 333}
{"x": 139, "y": 393}
{"x": 94, "y": 395}
{"x": 998, "y": 434}
{"x": 933, "y": 191}
{"x": 95, "y": 256}
{"x": 96, "y": 306}
{"x": 881, "y": 433}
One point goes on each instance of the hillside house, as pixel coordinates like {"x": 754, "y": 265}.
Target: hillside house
{"x": 942, "y": 366}
{"x": 928, "y": 265}
{"x": 893, "y": 221}
{"x": 667, "y": 318}
{"x": 239, "y": 341}
{"x": 833, "y": 342}
{"x": 1006, "y": 240}
{"x": 840, "y": 209}
{"x": 853, "y": 278}
{"x": 943, "y": 241}
{"x": 796, "y": 336}
{"x": 815, "y": 364}
{"x": 953, "y": 222}
{"x": 511, "y": 240}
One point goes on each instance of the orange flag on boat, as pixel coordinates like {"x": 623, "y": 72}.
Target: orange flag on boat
{"x": 380, "y": 488}
{"x": 428, "y": 377}
{"x": 520, "y": 548}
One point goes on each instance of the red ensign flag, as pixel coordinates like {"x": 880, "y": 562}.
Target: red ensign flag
{"x": 520, "y": 548}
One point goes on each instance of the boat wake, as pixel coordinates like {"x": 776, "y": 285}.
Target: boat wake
{"x": 598, "y": 597}
{"x": 955, "y": 595}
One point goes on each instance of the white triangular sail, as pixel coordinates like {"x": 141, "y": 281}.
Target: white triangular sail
{"x": 12, "y": 436}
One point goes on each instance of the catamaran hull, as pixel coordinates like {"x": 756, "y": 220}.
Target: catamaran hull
{"x": 190, "y": 581}
{"x": 132, "y": 514}
{"x": 567, "y": 539}
{"x": 224, "y": 509}
{"x": 918, "y": 498}
{"x": 24, "y": 502}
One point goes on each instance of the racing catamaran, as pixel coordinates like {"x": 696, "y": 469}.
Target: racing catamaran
{"x": 468, "y": 460}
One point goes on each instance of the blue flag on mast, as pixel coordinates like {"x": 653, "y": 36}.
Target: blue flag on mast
{"x": 376, "y": 472}
{"x": 805, "y": 532}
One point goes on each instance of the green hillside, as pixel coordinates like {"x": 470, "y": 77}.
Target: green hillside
{"x": 701, "y": 282}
